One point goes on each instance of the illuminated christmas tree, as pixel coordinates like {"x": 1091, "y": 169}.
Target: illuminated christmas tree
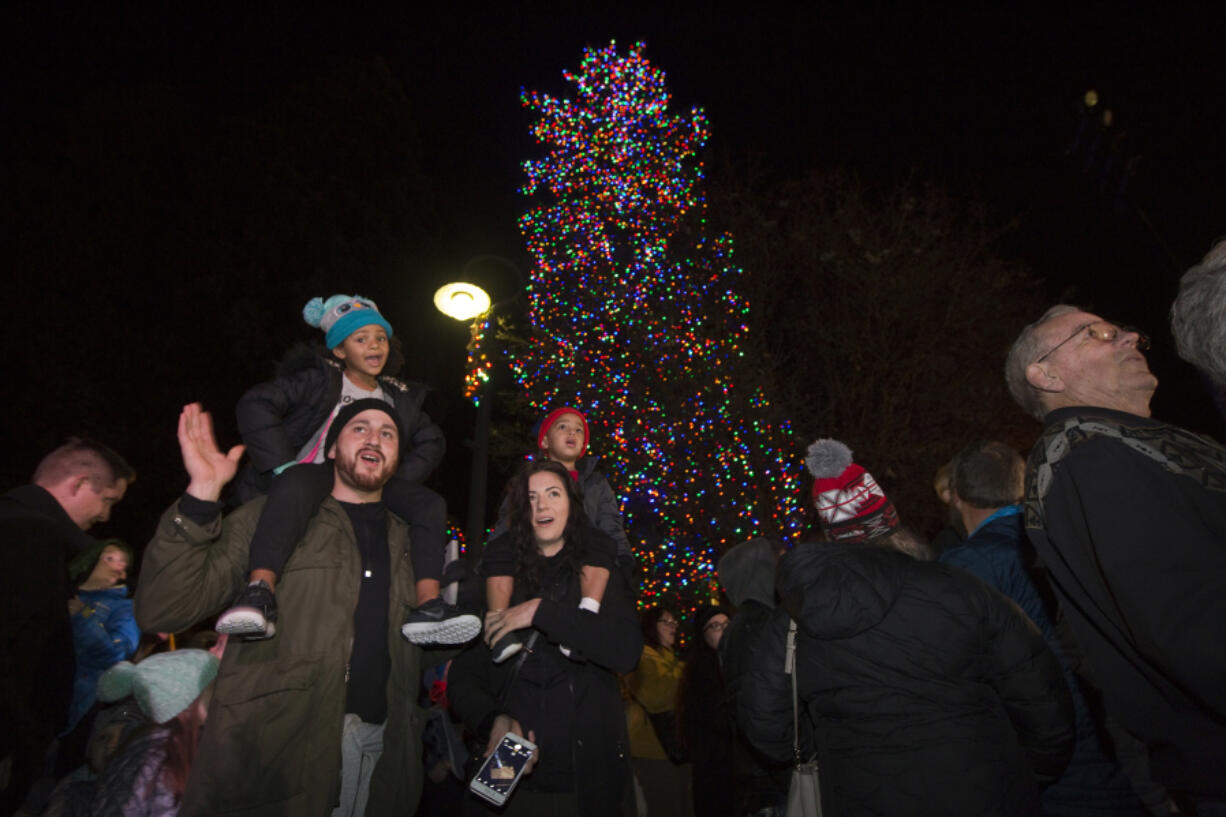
{"x": 636, "y": 319}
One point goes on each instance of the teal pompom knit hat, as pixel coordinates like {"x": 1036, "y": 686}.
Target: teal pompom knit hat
{"x": 342, "y": 315}
{"x": 164, "y": 684}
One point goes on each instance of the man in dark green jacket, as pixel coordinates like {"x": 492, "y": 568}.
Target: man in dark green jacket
{"x": 338, "y": 666}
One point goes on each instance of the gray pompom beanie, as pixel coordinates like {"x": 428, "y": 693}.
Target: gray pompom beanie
{"x": 164, "y": 684}
{"x": 852, "y": 506}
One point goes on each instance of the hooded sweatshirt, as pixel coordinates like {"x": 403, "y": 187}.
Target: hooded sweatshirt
{"x": 747, "y": 572}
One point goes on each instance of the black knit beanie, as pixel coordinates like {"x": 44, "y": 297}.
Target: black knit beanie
{"x": 351, "y": 410}
{"x": 703, "y": 616}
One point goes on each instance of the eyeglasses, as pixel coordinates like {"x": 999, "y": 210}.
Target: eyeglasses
{"x": 718, "y": 626}
{"x": 669, "y": 622}
{"x": 1100, "y": 331}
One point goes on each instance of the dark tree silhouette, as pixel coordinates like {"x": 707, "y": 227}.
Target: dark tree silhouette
{"x": 883, "y": 317}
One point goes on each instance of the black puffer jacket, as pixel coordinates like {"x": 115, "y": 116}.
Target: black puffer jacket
{"x": 278, "y": 417}
{"x": 760, "y": 782}
{"x": 931, "y": 693}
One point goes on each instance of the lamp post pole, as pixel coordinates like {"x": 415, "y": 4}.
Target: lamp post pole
{"x": 464, "y": 302}
{"x": 475, "y": 528}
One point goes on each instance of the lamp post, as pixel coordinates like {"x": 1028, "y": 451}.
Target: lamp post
{"x": 468, "y": 302}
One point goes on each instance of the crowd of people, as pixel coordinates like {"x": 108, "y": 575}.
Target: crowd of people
{"x": 1056, "y": 651}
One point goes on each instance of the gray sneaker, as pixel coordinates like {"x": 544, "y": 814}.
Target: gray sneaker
{"x": 253, "y": 615}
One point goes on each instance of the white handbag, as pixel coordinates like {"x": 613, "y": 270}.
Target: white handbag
{"x": 805, "y": 791}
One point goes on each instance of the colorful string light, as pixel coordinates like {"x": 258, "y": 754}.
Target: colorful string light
{"x": 453, "y": 531}
{"x": 637, "y": 317}
{"x": 480, "y": 366}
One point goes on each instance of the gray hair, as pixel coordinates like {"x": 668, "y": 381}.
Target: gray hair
{"x": 1024, "y": 351}
{"x": 1198, "y": 316}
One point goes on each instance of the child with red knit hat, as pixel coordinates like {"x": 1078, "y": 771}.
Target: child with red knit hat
{"x": 562, "y": 436}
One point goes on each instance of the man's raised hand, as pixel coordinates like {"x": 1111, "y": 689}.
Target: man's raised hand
{"x": 207, "y": 468}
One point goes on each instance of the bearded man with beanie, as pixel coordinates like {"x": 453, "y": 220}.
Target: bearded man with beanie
{"x": 338, "y": 672}
{"x": 922, "y": 691}
{"x": 285, "y": 423}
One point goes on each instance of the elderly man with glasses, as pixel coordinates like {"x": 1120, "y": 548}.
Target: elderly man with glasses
{"x": 1128, "y": 516}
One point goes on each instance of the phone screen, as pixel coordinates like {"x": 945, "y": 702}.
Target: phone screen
{"x": 504, "y": 764}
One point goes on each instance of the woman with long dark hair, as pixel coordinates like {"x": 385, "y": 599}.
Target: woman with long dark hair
{"x": 569, "y": 705}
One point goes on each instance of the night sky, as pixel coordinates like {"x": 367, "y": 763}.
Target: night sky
{"x": 102, "y": 343}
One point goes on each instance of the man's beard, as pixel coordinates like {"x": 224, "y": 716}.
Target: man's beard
{"x": 366, "y": 481}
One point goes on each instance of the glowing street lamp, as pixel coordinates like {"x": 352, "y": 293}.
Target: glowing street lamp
{"x": 462, "y": 301}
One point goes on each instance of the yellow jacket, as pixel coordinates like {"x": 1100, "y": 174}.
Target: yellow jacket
{"x": 651, "y": 688}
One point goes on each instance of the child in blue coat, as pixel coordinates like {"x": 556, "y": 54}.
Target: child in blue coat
{"x": 104, "y": 630}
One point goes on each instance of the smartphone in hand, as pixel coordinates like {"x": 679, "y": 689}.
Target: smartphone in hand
{"x": 502, "y": 770}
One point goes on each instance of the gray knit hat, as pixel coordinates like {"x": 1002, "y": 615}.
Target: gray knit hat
{"x": 164, "y": 684}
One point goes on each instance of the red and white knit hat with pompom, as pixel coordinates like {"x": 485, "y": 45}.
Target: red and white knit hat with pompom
{"x": 851, "y": 504}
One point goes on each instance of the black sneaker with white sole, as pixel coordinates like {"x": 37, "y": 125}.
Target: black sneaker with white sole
{"x": 253, "y": 615}
{"x": 507, "y": 646}
{"x": 437, "y": 622}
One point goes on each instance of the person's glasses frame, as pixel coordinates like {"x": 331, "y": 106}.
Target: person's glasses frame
{"x": 1102, "y": 331}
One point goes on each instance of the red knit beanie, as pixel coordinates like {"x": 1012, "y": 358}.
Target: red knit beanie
{"x": 542, "y": 427}
{"x": 853, "y": 508}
